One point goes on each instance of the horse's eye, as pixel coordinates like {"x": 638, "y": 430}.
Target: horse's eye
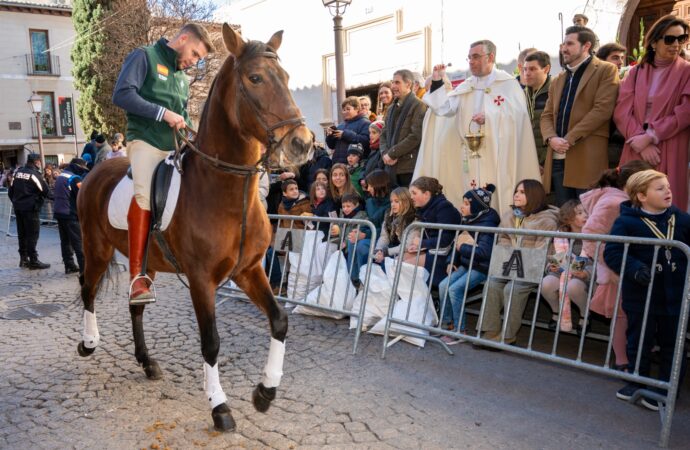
{"x": 255, "y": 79}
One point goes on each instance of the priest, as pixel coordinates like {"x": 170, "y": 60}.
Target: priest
{"x": 489, "y": 103}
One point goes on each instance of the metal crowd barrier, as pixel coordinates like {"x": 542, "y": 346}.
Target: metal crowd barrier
{"x": 46, "y": 214}
{"x": 5, "y": 213}
{"x": 520, "y": 264}
{"x": 293, "y": 281}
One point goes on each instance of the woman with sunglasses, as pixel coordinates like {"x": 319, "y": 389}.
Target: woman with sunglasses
{"x": 653, "y": 108}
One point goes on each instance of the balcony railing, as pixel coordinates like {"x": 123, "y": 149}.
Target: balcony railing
{"x": 42, "y": 64}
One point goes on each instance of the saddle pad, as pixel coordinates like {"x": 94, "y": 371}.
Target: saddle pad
{"x": 118, "y": 206}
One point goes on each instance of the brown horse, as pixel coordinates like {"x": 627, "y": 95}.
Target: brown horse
{"x": 249, "y": 105}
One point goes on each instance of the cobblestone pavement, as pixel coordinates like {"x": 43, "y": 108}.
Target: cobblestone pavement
{"x": 52, "y": 398}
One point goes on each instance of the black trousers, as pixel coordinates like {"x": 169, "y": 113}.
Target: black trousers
{"x": 28, "y": 228}
{"x": 70, "y": 242}
{"x": 404, "y": 179}
{"x": 661, "y": 330}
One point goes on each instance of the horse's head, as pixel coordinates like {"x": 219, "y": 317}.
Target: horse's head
{"x": 265, "y": 107}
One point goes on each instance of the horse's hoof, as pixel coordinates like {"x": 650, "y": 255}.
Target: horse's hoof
{"x": 153, "y": 371}
{"x": 262, "y": 397}
{"x": 222, "y": 418}
{"x": 83, "y": 351}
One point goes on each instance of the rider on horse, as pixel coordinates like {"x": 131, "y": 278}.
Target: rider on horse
{"x": 153, "y": 89}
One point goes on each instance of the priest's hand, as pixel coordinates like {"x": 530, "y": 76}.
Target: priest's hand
{"x": 651, "y": 155}
{"x": 387, "y": 160}
{"x": 640, "y": 142}
{"x": 479, "y": 118}
{"x": 439, "y": 72}
{"x": 559, "y": 145}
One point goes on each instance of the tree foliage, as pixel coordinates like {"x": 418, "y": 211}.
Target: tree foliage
{"x": 106, "y": 31}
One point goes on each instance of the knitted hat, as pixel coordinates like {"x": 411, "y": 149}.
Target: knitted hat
{"x": 355, "y": 149}
{"x": 100, "y": 139}
{"x": 377, "y": 124}
{"x": 480, "y": 198}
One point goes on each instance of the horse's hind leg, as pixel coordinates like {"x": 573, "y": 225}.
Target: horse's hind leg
{"x": 203, "y": 298}
{"x": 141, "y": 352}
{"x": 255, "y": 284}
{"x": 96, "y": 260}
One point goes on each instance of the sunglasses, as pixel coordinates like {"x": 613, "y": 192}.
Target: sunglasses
{"x": 670, "y": 39}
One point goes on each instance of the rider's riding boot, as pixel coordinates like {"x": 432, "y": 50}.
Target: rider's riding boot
{"x": 138, "y": 223}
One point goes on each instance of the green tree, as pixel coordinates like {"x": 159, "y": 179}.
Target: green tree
{"x": 106, "y": 31}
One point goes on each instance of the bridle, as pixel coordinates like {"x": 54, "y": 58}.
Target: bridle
{"x": 247, "y": 171}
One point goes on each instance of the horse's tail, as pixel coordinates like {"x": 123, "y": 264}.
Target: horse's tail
{"x": 110, "y": 278}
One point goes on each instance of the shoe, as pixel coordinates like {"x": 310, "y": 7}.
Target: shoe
{"x": 71, "y": 268}
{"x": 650, "y": 404}
{"x": 627, "y": 391}
{"x": 450, "y": 340}
{"x": 138, "y": 222}
{"x": 497, "y": 338}
{"x": 553, "y": 325}
{"x": 24, "y": 262}
{"x": 621, "y": 367}
{"x": 578, "y": 329}
{"x": 36, "y": 264}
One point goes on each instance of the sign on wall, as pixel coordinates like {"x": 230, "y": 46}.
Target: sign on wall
{"x": 66, "y": 116}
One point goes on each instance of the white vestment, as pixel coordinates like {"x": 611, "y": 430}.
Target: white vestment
{"x": 508, "y": 153}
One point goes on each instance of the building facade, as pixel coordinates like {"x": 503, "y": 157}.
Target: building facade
{"x": 381, "y": 36}
{"x": 37, "y": 37}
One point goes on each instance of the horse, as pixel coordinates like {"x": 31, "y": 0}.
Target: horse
{"x": 249, "y": 105}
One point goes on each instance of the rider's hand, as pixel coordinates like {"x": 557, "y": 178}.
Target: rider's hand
{"x": 175, "y": 120}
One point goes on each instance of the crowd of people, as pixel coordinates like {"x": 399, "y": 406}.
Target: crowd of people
{"x": 581, "y": 152}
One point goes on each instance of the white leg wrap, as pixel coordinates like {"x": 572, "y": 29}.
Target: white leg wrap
{"x": 214, "y": 391}
{"x": 90, "y": 335}
{"x": 273, "y": 371}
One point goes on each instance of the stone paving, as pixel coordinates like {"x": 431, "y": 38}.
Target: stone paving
{"x": 415, "y": 398}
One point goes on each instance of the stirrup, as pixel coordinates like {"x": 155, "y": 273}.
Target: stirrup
{"x": 145, "y": 299}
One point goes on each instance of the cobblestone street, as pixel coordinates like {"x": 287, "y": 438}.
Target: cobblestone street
{"x": 415, "y": 398}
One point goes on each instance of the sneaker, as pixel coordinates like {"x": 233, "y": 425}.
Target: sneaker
{"x": 450, "y": 340}
{"x": 650, "y": 404}
{"x": 627, "y": 391}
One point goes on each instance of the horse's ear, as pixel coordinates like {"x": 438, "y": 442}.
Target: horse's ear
{"x": 233, "y": 41}
{"x": 275, "y": 40}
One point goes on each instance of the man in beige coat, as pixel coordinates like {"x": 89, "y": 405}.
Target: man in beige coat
{"x": 575, "y": 121}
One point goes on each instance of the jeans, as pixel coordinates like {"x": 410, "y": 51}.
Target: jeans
{"x": 276, "y": 274}
{"x": 361, "y": 256}
{"x": 454, "y": 287}
{"x": 563, "y": 193}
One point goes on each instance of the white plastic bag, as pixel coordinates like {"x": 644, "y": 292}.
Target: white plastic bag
{"x": 336, "y": 291}
{"x": 421, "y": 307}
{"x": 306, "y": 268}
{"x": 378, "y": 297}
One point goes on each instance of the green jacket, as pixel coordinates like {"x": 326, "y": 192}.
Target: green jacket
{"x": 165, "y": 86}
{"x": 536, "y": 101}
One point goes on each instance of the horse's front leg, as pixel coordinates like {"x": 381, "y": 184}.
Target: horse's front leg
{"x": 141, "y": 352}
{"x": 254, "y": 283}
{"x": 203, "y": 298}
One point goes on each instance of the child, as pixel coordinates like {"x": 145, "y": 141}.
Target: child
{"x": 400, "y": 215}
{"x": 650, "y": 214}
{"x": 293, "y": 203}
{"x": 571, "y": 218}
{"x": 476, "y": 211}
{"x": 352, "y": 209}
{"x": 355, "y": 166}
{"x": 374, "y": 161}
{"x": 321, "y": 204}
{"x": 322, "y": 176}
{"x": 376, "y": 206}
{"x": 603, "y": 206}
{"x": 529, "y": 212}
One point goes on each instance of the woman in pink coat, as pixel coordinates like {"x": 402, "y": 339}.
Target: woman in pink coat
{"x": 603, "y": 206}
{"x": 653, "y": 108}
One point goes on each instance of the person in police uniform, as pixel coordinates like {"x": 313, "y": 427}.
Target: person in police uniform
{"x": 28, "y": 192}
{"x": 153, "y": 89}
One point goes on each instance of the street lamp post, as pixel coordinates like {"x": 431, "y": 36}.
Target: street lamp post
{"x": 337, "y": 9}
{"x": 36, "y": 105}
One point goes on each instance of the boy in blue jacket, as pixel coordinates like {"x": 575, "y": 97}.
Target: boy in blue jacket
{"x": 650, "y": 214}
{"x": 476, "y": 211}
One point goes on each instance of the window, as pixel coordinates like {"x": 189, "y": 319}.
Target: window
{"x": 48, "y": 114}
{"x": 40, "y": 56}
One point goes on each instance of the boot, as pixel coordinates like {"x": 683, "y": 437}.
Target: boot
{"x": 35, "y": 264}
{"x": 138, "y": 221}
{"x": 70, "y": 267}
{"x": 24, "y": 261}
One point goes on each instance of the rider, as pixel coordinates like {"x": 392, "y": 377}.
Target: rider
{"x": 153, "y": 89}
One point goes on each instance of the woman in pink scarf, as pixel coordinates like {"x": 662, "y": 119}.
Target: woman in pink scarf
{"x": 653, "y": 108}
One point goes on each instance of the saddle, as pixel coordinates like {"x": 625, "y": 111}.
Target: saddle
{"x": 160, "y": 186}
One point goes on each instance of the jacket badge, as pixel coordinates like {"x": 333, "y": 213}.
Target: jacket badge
{"x": 498, "y": 100}
{"x": 162, "y": 72}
